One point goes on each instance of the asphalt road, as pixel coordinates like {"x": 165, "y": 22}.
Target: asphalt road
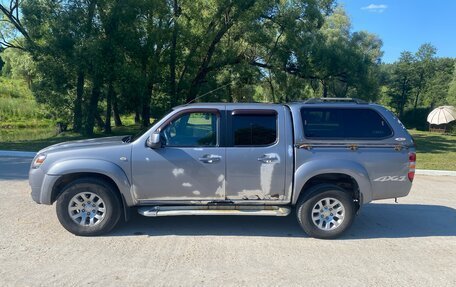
{"x": 412, "y": 243}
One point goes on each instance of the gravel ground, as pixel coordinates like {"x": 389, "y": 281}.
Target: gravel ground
{"x": 412, "y": 243}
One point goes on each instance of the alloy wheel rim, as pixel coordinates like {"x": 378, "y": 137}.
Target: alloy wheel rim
{"x": 328, "y": 213}
{"x": 87, "y": 209}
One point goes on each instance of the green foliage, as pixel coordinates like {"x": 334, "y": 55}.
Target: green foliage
{"x": 149, "y": 55}
{"x": 18, "y": 65}
{"x": 17, "y": 104}
{"x": 451, "y": 97}
{"x": 14, "y": 88}
{"x": 89, "y": 61}
{"x": 17, "y": 108}
{"x": 401, "y": 82}
{"x": 435, "y": 93}
{"x": 415, "y": 118}
{"x": 417, "y": 80}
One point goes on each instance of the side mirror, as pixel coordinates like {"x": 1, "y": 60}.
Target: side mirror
{"x": 154, "y": 141}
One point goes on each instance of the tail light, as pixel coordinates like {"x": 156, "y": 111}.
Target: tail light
{"x": 412, "y": 163}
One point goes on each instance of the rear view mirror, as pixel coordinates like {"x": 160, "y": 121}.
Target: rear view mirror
{"x": 154, "y": 141}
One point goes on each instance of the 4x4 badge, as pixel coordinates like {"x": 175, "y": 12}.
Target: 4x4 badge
{"x": 390, "y": 178}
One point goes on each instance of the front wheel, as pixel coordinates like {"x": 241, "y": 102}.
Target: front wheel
{"x": 327, "y": 213}
{"x": 88, "y": 206}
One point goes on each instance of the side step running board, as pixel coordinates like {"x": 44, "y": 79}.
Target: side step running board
{"x": 154, "y": 211}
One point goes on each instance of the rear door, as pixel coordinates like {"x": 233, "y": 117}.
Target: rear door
{"x": 255, "y": 154}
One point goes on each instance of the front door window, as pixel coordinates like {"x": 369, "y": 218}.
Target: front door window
{"x": 197, "y": 129}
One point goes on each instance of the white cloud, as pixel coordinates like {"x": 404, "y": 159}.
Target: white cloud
{"x": 375, "y": 8}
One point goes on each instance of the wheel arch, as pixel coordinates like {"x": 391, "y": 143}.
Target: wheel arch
{"x": 66, "y": 179}
{"x": 349, "y": 175}
{"x": 66, "y": 171}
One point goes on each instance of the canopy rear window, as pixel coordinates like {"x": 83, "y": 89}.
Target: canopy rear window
{"x": 344, "y": 123}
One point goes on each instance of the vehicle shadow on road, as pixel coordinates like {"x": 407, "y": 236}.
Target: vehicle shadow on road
{"x": 379, "y": 220}
{"x": 376, "y": 220}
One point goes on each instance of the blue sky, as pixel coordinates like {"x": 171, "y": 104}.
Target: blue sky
{"x": 406, "y": 24}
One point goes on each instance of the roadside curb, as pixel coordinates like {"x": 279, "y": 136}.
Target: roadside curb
{"x": 435, "y": 172}
{"x": 13, "y": 153}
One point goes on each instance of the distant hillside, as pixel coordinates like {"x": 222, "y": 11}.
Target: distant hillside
{"x": 18, "y": 107}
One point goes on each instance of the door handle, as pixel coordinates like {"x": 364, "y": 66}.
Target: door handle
{"x": 210, "y": 158}
{"x": 268, "y": 158}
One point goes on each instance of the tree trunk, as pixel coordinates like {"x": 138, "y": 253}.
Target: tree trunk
{"x": 415, "y": 105}
{"x": 271, "y": 85}
{"x": 172, "y": 62}
{"x": 325, "y": 89}
{"x": 77, "y": 115}
{"x": 115, "y": 111}
{"x": 137, "y": 116}
{"x": 145, "y": 111}
{"x": 403, "y": 97}
{"x": 420, "y": 88}
{"x": 110, "y": 95}
{"x": 93, "y": 105}
{"x": 99, "y": 120}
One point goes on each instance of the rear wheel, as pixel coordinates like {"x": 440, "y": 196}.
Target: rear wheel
{"x": 327, "y": 213}
{"x": 88, "y": 206}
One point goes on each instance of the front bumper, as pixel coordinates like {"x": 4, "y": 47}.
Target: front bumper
{"x": 41, "y": 185}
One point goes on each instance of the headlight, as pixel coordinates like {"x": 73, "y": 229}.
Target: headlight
{"x": 38, "y": 160}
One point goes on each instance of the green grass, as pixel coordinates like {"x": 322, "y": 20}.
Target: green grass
{"x": 17, "y": 103}
{"x": 34, "y": 139}
{"x": 14, "y": 88}
{"x": 434, "y": 150}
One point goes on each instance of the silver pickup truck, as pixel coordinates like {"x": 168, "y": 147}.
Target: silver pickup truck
{"x": 324, "y": 158}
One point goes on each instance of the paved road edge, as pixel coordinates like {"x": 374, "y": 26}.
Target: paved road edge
{"x": 13, "y": 153}
{"x": 435, "y": 172}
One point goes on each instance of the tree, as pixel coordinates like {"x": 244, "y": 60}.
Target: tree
{"x": 451, "y": 96}
{"x": 19, "y": 64}
{"x": 417, "y": 80}
{"x": 96, "y": 59}
{"x": 11, "y": 26}
{"x": 424, "y": 67}
{"x": 402, "y": 79}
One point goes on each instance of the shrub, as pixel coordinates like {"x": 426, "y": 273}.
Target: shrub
{"x": 416, "y": 118}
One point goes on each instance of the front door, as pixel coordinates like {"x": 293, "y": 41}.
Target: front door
{"x": 189, "y": 166}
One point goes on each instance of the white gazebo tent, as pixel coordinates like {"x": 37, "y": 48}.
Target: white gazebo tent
{"x": 441, "y": 116}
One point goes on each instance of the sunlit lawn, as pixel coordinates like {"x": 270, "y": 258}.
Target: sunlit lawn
{"x": 434, "y": 150}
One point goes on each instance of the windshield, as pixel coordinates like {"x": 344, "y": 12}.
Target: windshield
{"x": 134, "y": 137}
{"x": 140, "y": 133}
{"x": 131, "y": 138}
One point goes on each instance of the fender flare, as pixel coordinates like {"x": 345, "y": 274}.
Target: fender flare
{"x": 317, "y": 167}
{"x": 96, "y": 166}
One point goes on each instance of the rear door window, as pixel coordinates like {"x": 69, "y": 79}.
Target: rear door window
{"x": 254, "y": 129}
{"x": 344, "y": 123}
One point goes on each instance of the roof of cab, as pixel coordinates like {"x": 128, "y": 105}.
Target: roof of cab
{"x": 203, "y": 105}
{"x": 317, "y": 102}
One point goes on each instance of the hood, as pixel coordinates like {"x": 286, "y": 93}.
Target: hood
{"x": 83, "y": 144}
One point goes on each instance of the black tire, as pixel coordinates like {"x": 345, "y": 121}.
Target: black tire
{"x": 104, "y": 191}
{"x": 305, "y": 205}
